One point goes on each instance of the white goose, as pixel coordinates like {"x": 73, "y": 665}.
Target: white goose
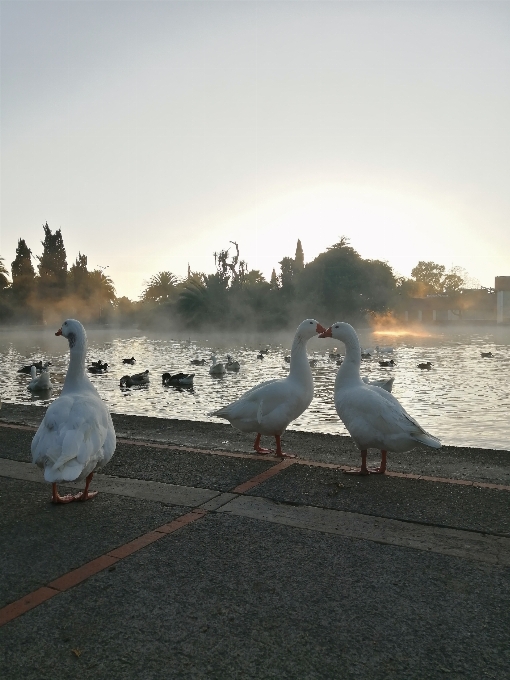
{"x": 373, "y": 417}
{"x": 269, "y": 408}
{"x": 217, "y": 367}
{"x": 76, "y": 435}
{"x": 385, "y": 383}
{"x": 41, "y": 381}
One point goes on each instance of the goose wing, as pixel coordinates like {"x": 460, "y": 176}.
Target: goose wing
{"x": 75, "y": 436}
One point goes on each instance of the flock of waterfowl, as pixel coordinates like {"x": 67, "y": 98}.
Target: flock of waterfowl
{"x": 76, "y": 436}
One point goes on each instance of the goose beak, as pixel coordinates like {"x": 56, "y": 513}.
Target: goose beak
{"x": 326, "y": 333}
{"x": 59, "y": 332}
{"x": 320, "y": 329}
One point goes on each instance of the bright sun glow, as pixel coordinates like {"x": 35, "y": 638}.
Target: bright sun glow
{"x": 380, "y": 223}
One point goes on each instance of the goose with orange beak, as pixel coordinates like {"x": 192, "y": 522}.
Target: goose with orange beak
{"x": 76, "y": 436}
{"x": 270, "y": 407}
{"x": 372, "y": 416}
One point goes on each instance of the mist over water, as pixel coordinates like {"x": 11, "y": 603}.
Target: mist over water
{"x": 464, "y": 399}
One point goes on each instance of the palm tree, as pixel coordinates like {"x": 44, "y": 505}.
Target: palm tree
{"x": 160, "y": 288}
{"x": 4, "y": 281}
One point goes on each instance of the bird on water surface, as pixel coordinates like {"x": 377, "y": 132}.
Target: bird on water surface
{"x": 270, "y": 407}
{"x": 372, "y": 416}
{"x": 76, "y": 436}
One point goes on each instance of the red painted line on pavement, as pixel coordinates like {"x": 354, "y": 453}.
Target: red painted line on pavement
{"x": 73, "y": 578}
{"x": 25, "y": 604}
{"x": 255, "y": 481}
{"x": 18, "y": 427}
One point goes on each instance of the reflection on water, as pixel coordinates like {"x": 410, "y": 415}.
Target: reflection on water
{"x": 464, "y": 399}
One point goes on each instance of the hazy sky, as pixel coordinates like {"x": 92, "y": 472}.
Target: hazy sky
{"x": 153, "y": 133}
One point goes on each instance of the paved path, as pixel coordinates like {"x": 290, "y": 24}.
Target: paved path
{"x": 210, "y": 564}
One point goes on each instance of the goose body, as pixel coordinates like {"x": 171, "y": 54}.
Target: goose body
{"x": 217, "y": 367}
{"x": 136, "y": 379}
{"x": 384, "y": 383}
{"x": 373, "y": 417}
{"x": 40, "y": 382}
{"x": 486, "y": 355}
{"x": 197, "y": 362}
{"x": 129, "y": 361}
{"x": 426, "y": 365}
{"x": 76, "y": 436}
{"x": 270, "y": 407}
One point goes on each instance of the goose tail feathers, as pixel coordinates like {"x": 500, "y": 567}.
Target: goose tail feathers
{"x": 427, "y": 440}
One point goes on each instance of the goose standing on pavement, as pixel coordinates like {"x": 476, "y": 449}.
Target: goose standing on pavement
{"x": 269, "y": 408}
{"x": 76, "y": 436}
{"x": 373, "y": 417}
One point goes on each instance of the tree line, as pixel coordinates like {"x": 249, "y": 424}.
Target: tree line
{"x": 338, "y": 283}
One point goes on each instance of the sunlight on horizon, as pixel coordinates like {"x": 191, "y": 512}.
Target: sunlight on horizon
{"x": 380, "y": 223}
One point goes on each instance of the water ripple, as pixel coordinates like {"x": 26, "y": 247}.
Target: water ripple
{"x": 464, "y": 399}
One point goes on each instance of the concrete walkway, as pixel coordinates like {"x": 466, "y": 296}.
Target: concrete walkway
{"x": 217, "y": 564}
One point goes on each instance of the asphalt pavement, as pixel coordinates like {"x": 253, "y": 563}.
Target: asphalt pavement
{"x": 199, "y": 559}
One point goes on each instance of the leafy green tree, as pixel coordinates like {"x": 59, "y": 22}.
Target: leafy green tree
{"x": 79, "y": 276}
{"x": 23, "y": 274}
{"x": 254, "y": 277}
{"x": 162, "y": 287}
{"x": 340, "y": 284}
{"x": 452, "y": 283}
{"x": 288, "y": 271}
{"x": 52, "y": 266}
{"x": 430, "y": 274}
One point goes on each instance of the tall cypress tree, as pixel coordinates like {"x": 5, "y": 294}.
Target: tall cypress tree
{"x": 23, "y": 274}
{"x": 299, "y": 259}
{"x": 52, "y": 266}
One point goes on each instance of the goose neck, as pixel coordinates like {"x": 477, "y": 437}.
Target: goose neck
{"x": 350, "y": 369}
{"x": 299, "y": 365}
{"x": 76, "y": 370}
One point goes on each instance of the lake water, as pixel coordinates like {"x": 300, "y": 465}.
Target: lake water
{"x": 464, "y": 399}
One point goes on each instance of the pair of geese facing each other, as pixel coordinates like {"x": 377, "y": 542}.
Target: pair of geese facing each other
{"x": 372, "y": 416}
{"x": 77, "y": 437}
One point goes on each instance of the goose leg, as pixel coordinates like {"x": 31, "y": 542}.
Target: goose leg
{"x": 363, "y": 469}
{"x": 279, "y": 453}
{"x": 57, "y": 498}
{"x": 86, "y": 494}
{"x": 382, "y": 467}
{"x": 258, "y": 448}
